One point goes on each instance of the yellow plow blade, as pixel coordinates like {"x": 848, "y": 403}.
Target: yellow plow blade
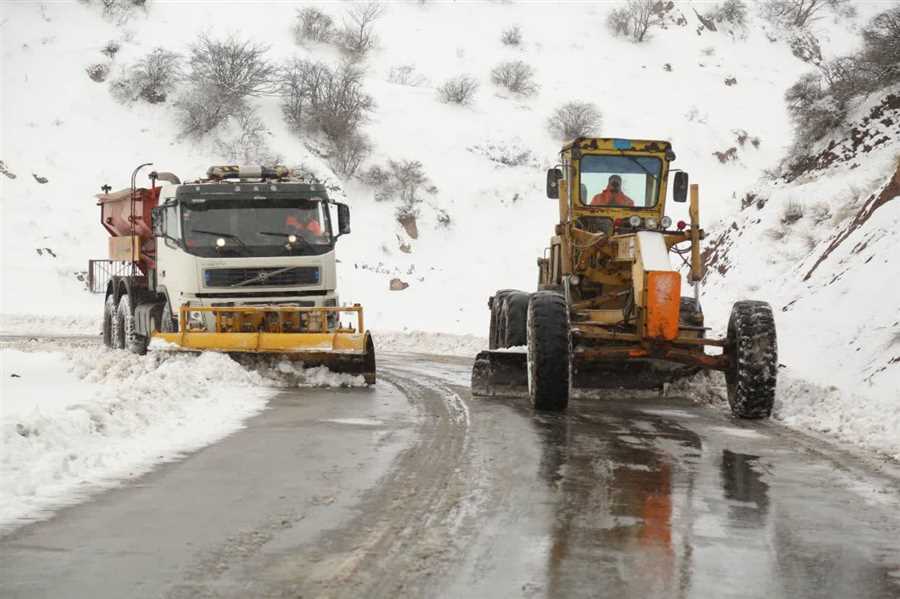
{"x": 341, "y": 350}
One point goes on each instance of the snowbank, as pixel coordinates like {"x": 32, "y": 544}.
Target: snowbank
{"x": 29, "y": 324}
{"x": 74, "y": 421}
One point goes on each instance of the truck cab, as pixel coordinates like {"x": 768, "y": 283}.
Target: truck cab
{"x": 245, "y": 242}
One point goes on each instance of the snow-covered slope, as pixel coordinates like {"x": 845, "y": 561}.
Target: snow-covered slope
{"x": 822, "y": 247}
{"x": 60, "y": 125}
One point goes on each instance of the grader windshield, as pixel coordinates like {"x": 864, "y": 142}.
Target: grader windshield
{"x": 622, "y": 181}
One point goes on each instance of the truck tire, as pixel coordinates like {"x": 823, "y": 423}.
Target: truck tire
{"x": 167, "y": 324}
{"x": 752, "y": 351}
{"x": 109, "y": 321}
{"x": 136, "y": 344}
{"x": 514, "y": 316}
{"x": 548, "y": 351}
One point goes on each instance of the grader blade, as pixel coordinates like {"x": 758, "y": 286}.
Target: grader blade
{"x": 500, "y": 374}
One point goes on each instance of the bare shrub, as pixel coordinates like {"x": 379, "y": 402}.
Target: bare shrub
{"x": 313, "y": 25}
{"x": 118, "y": 10}
{"x": 458, "y": 90}
{"x": 244, "y": 140}
{"x": 98, "y": 72}
{"x": 332, "y": 102}
{"x": 516, "y": 76}
{"x": 223, "y": 73}
{"x": 405, "y": 74}
{"x": 730, "y": 12}
{"x": 345, "y": 155}
{"x": 881, "y": 50}
{"x": 805, "y": 46}
{"x": 443, "y": 218}
{"x": 232, "y": 67}
{"x": 574, "y": 119}
{"x": 799, "y": 13}
{"x": 791, "y": 213}
{"x": 151, "y": 79}
{"x": 814, "y": 111}
{"x": 358, "y": 36}
{"x": 726, "y": 156}
{"x": 820, "y": 213}
{"x": 512, "y": 36}
{"x": 403, "y": 180}
{"x": 636, "y": 18}
{"x": 111, "y": 48}
{"x": 619, "y": 21}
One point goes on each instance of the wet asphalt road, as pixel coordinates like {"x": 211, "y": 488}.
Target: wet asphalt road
{"x": 414, "y": 489}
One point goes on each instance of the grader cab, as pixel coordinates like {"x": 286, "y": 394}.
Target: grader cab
{"x": 609, "y": 310}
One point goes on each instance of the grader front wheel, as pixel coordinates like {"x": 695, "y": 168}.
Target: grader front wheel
{"x": 548, "y": 351}
{"x": 752, "y": 351}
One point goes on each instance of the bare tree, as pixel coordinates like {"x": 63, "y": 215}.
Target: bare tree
{"x": 636, "y": 18}
{"x": 247, "y": 143}
{"x": 574, "y": 119}
{"x": 798, "y": 13}
{"x": 458, "y": 90}
{"x": 358, "y": 36}
{"x": 313, "y": 25}
{"x": 881, "y": 48}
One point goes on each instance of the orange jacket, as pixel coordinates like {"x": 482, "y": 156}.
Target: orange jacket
{"x": 608, "y": 197}
{"x": 312, "y": 226}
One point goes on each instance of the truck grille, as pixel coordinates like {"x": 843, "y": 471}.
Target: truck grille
{"x": 265, "y": 277}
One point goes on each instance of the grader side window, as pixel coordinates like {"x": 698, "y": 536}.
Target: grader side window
{"x": 620, "y": 181}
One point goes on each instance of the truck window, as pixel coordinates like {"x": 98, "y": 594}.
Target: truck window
{"x": 620, "y": 181}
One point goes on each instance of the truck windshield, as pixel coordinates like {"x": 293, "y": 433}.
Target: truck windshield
{"x": 262, "y": 227}
{"x": 620, "y": 181}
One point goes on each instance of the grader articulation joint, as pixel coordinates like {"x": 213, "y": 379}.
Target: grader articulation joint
{"x": 609, "y": 310}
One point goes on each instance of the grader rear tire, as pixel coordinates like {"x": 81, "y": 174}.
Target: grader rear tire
{"x": 514, "y": 316}
{"x": 752, "y": 348}
{"x": 548, "y": 351}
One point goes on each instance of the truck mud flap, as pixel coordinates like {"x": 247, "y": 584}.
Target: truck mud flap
{"x": 500, "y": 374}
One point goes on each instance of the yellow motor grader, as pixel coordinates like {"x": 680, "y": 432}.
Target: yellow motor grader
{"x": 609, "y": 312}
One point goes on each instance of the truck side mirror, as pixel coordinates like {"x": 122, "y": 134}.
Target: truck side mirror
{"x": 158, "y": 220}
{"x": 553, "y": 177}
{"x": 343, "y": 219}
{"x": 680, "y": 187}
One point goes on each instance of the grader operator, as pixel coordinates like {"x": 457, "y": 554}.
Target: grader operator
{"x": 609, "y": 312}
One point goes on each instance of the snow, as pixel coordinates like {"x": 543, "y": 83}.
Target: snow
{"x": 422, "y": 342}
{"x": 77, "y": 420}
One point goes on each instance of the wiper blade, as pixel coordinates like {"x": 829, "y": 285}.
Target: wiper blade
{"x": 263, "y": 276}
{"x": 221, "y": 234}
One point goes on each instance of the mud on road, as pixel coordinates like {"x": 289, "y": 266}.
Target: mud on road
{"x": 415, "y": 489}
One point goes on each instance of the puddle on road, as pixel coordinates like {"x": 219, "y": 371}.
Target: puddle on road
{"x": 745, "y": 433}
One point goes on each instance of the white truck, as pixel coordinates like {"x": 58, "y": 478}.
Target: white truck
{"x": 240, "y": 261}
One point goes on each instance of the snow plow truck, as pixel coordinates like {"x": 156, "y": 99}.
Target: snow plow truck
{"x": 241, "y": 261}
{"x": 609, "y": 312}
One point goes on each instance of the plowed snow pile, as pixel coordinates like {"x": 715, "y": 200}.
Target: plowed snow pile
{"x": 75, "y": 421}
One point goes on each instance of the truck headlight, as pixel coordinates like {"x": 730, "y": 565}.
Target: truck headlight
{"x": 650, "y": 222}
{"x": 666, "y": 222}
{"x": 634, "y": 222}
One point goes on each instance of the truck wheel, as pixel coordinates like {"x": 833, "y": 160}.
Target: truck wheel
{"x": 548, "y": 351}
{"x": 136, "y": 344}
{"x": 109, "y": 321}
{"x": 514, "y": 317}
{"x": 752, "y": 352}
{"x": 168, "y": 324}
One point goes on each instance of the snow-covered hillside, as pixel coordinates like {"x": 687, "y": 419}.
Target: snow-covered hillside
{"x": 61, "y": 126}
{"x": 822, "y": 246}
